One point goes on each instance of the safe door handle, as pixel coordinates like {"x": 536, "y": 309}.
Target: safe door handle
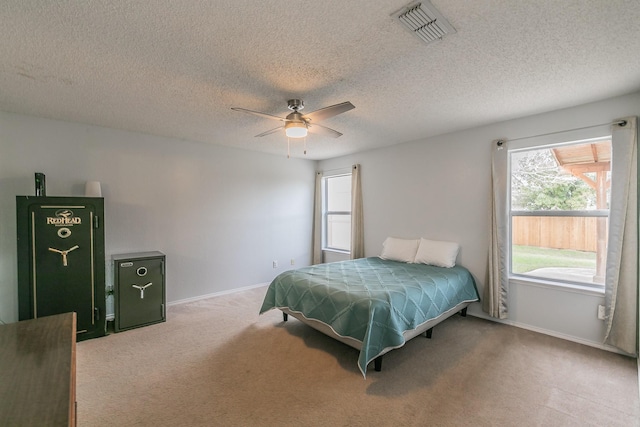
{"x": 142, "y": 288}
{"x": 64, "y": 253}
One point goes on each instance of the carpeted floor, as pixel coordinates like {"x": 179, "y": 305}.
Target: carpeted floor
{"x": 215, "y": 362}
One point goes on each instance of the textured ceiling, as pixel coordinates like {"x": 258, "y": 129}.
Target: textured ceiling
{"x": 175, "y": 68}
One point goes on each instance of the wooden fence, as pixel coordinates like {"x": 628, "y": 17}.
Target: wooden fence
{"x": 578, "y": 233}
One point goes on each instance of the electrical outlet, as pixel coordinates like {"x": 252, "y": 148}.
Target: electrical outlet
{"x": 275, "y": 264}
{"x": 601, "y": 314}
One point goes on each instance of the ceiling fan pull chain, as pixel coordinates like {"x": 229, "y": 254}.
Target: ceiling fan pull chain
{"x": 305, "y": 145}
{"x": 288, "y": 148}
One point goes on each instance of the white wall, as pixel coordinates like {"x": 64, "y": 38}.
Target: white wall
{"x": 223, "y": 215}
{"x": 219, "y": 214}
{"x": 440, "y": 188}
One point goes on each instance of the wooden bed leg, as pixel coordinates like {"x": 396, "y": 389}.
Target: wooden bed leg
{"x": 285, "y": 317}
{"x": 378, "y": 363}
{"x": 463, "y": 312}
{"x": 428, "y": 333}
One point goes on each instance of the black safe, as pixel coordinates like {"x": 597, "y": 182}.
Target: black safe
{"x": 61, "y": 260}
{"x": 139, "y": 289}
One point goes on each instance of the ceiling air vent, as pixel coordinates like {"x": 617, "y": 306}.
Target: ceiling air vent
{"x": 424, "y": 20}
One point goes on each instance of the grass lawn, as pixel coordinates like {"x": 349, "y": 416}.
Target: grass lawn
{"x": 528, "y": 258}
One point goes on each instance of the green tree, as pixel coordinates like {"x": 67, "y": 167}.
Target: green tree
{"x": 538, "y": 183}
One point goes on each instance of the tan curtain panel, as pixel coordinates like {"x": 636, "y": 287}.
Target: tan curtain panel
{"x": 357, "y": 226}
{"x": 621, "y": 282}
{"x": 494, "y": 299}
{"x": 317, "y": 222}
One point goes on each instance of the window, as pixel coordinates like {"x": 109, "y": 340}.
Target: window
{"x": 337, "y": 212}
{"x": 559, "y": 210}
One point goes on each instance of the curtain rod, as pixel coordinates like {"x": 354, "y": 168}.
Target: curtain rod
{"x": 337, "y": 169}
{"x": 619, "y": 122}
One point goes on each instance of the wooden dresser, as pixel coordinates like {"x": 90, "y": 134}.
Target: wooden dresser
{"x": 38, "y": 372}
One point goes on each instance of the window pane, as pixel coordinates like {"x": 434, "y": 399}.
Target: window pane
{"x": 563, "y": 248}
{"x": 339, "y": 193}
{"x": 566, "y": 179}
{"x": 339, "y": 232}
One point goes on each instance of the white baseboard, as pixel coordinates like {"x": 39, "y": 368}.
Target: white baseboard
{"x": 551, "y": 333}
{"x": 216, "y": 294}
{"x": 111, "y": 317}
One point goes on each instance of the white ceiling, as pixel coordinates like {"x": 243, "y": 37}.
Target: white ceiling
{"x": 175, "y": 68}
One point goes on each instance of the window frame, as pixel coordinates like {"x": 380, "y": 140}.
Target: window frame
{"x": 511, "y": 213}
{"x": 326, "y": 213}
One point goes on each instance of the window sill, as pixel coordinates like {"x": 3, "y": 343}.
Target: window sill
{"x": 566, "y": 287}
{"x": 337, "y": 251}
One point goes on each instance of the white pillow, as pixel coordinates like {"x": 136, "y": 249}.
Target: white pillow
{"x": 434, "y": 252}
{"x": 403, "y": 250}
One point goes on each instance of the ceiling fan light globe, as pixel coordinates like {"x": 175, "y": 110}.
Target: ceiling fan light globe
{"x": 296, "y": 130}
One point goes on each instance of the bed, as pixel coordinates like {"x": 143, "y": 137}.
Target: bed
{"x": 372, "y": 304}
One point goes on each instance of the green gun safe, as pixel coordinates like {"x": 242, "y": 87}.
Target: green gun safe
{"x": 139, "y": 289}
{"x": 61, "y": 262}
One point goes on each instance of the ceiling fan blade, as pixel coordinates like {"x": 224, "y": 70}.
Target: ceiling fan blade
{"x": 327, "y": 112}
{"x": 269, "y": 132}
{"x": 257, "y": 113}
{"x": 323, "y": 130}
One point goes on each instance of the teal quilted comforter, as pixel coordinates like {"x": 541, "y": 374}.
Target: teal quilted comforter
{"x": 370, "y": 299}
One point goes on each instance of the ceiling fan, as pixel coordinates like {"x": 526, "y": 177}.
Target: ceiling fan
{"x": 297, "y": 124}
